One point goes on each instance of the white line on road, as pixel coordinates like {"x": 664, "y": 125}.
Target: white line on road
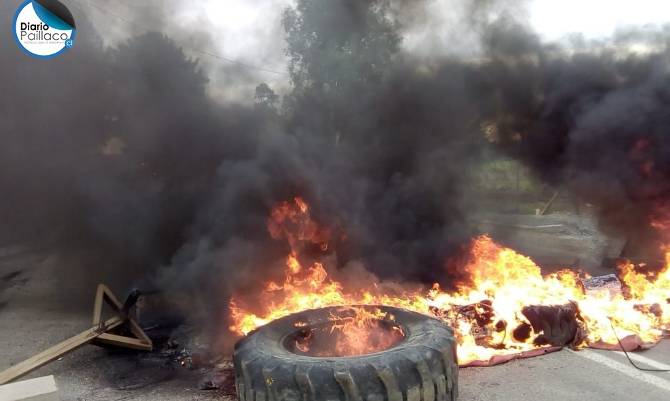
{"x": 625, "y": 369}
{"x": 643, "y": 359}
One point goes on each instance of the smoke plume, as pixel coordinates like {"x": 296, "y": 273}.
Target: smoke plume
{"x": 118, "y": 159}
{"x": 593, "y": 119}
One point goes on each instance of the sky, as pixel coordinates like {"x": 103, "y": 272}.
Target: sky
{"x": 595, "y": 18}
{"x": 251, "y": 27}
{"x": 250, "y": 32}
{"x": 250, "y": 24}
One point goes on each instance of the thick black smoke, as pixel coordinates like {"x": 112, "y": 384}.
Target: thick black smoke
{"x": 108, "y": 154}
{"x": 376, "y": 144}
{"x": 595, "y": 119}
{"x": 117, "y": 159}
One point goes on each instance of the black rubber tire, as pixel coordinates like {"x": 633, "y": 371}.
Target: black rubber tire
{"x": 422, "y": 367}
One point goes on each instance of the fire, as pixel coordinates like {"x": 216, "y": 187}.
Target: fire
{"x": 487, "y": 311}
{"x": 352, "y": 331}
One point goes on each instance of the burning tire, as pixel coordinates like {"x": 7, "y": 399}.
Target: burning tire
{"x": 406, "y": 356}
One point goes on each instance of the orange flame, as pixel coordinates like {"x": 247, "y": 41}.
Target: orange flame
{"x": 501, "y": 282}
{"x": 352, "y": 331}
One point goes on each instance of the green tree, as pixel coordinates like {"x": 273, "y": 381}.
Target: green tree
{"x": 337, "y": 49}
{"x": 331, "y": 42}
{"x": 265, "y": 97}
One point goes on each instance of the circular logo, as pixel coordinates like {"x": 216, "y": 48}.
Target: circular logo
{"x": 44, "y": 28}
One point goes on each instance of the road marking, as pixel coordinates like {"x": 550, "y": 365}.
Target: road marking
{"x": 625, "y": 369}
{"x": 643, "y": 359}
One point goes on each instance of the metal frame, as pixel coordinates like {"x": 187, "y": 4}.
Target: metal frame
{"x": 103, "y": 332}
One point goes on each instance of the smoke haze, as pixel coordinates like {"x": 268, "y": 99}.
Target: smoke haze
{"x": 120, "y": 155}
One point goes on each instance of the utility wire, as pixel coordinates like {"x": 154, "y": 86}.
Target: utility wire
{"x": 195, "y": 50}
{"x": 628, "y": 357}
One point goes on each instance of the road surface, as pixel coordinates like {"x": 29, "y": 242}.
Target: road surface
{"x": 592, "y": 375}
{"x": 39, "y": 308}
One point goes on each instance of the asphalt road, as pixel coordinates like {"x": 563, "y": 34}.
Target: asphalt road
{"x": 592, "y": 375}
{"x": 34, "y": 315}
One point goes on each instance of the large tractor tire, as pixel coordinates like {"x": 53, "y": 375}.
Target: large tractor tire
{"x": 421, "y": 367}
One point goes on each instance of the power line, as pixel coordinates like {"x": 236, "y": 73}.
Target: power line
{"x": 195, "y": 50}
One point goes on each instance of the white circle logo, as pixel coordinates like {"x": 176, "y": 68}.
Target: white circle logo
{"x": 44, "y": 28}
